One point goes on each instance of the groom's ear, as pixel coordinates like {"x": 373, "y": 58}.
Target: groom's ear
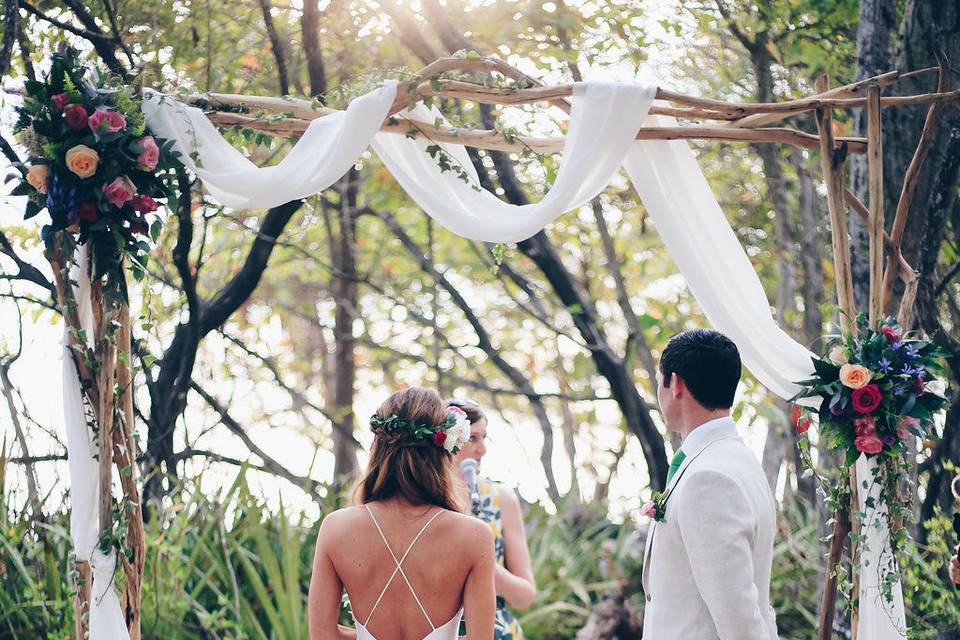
{"x": 678, "y": 386}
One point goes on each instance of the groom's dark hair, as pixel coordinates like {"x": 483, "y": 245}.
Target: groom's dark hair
{"x": 709, "y": 364}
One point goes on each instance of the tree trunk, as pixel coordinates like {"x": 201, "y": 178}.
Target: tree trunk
{"x": 309, "y": 23}
{"x": 780, "y": 435}
{"x": 344, "y": 289}
{"x": 929, "y": 27}
{"x": 168, "y": 393}
{"x": 874, "y": 56}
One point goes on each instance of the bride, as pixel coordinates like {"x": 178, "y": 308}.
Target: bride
{"x": 412, "y": 564}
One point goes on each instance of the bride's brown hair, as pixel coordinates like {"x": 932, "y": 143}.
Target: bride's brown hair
{"x": 418, "y": 471}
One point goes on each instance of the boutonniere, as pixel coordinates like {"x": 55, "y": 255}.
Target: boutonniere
{"x": 656, "y": 508}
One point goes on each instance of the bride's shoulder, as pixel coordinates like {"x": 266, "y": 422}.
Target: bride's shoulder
{"x": 341, "y": 519}
{"x": 467, "y": 527}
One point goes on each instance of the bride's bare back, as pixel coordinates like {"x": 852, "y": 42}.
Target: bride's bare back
{"x": 450, "y": 565}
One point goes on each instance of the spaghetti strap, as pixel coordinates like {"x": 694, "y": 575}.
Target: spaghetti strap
{"x": 399, "y": 568}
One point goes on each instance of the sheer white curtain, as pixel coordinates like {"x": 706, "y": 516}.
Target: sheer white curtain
{"x": 603, "y": 122}
{"x": 325, "y": 152}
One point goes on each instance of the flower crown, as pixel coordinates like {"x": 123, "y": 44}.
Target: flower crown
{"x": 451, "y": 434}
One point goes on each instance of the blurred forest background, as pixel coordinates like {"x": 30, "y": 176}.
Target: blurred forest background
{"x": 266, "y": 337}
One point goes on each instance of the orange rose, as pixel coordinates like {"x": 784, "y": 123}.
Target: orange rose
{"x": 855, "y": 376}
{"x": 37, "y": 177}
{"x": 82, "y": 160}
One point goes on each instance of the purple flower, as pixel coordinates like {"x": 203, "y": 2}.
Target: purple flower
{"x": 836, "y": 409}
{"x": 899, "y": 389}
{"x": 896, "y": 345}
{"x": 911, "y": 352}
{"x": 910, "y": 371}
{"x": 889, "y": 439}
{"x": 884, "y": 366}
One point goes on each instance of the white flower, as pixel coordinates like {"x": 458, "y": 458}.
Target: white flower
{"x": 838, "y": 355}
{"x": 458, "y": 435}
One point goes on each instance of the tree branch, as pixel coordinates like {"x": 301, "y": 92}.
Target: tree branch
{"x": 216, "y": 312}
{"x": 269, "y": 463}
{"x": 295, "y": 393}
{"x": 25, "y": 270}
{"x": 485, "y": 344}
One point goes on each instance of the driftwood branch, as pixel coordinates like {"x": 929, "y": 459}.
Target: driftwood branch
{"x": 910, "y": 182}
{"x": 494, "y": 140}
{"x": 831, "y": 163}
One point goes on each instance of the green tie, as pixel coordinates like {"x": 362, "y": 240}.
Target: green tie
{"x": 675, "y": 464}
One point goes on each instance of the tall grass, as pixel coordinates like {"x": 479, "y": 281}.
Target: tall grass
{"x": 228, "y": 567}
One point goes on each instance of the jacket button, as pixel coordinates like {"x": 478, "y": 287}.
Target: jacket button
{"x": 649, "y": 597}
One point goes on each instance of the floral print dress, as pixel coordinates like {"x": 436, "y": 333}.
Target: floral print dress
{"x": 505, "y": 626}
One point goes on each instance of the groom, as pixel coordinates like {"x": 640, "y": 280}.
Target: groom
{"x": 706, "y": 570}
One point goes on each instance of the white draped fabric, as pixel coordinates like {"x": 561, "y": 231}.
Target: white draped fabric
{"x": 327, "y": 150}
{"x": 694, "y": 230}
{"x": 106, "y": 619}
{"x": 603, "y": 122}
{"x": 878, "y": 618}
{"x": 600, "y": 139}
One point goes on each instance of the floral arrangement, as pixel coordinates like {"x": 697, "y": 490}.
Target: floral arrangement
{"x": 874, "y": 391}
{"x": 875, "y": 395}
{"x": 93, "y": 165}
{"x": 451, "y": 434}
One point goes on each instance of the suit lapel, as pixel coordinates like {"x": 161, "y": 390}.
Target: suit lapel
{"x": 724, "y": 432}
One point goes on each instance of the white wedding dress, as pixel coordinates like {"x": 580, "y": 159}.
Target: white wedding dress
{"x": 446, "y": 631}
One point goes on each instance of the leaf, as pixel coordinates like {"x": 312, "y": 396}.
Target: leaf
{"x": 32, "y": 209}
{"x": 851, "y": 456}
{"x": 827, "y": 371}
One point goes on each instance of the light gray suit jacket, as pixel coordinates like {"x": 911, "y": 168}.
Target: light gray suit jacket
{"x": 706, "y": 570}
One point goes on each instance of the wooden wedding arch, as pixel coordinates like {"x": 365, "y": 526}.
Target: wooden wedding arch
{"x": 702, "y": 119}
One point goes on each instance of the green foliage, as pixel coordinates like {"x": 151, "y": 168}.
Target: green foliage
{"x": 226, "y": 566}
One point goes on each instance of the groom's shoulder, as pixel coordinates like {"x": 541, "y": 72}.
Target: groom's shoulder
{"x": 730, "y": 460}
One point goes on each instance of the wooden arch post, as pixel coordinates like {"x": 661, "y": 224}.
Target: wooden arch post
{"x": 106, "y": 379}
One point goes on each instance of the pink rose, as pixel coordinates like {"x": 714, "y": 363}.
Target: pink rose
{"x": 105, "y": 121}
{"x": 60, "y": 101}
{"x": 150, "y": 155}
{"x": 649, "y": 510}
{"x": 868, "y": 444}
{"x": 117, "y": 121}
{"x": 144, "y": 204}
{"x": 865, "y": 426}
{"x": 119, "y": 191}
{"x": 76, "y": 117}
{"x": 457, "y": 411}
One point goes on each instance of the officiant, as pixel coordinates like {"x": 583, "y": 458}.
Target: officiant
{"x": 499, "y": 507}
